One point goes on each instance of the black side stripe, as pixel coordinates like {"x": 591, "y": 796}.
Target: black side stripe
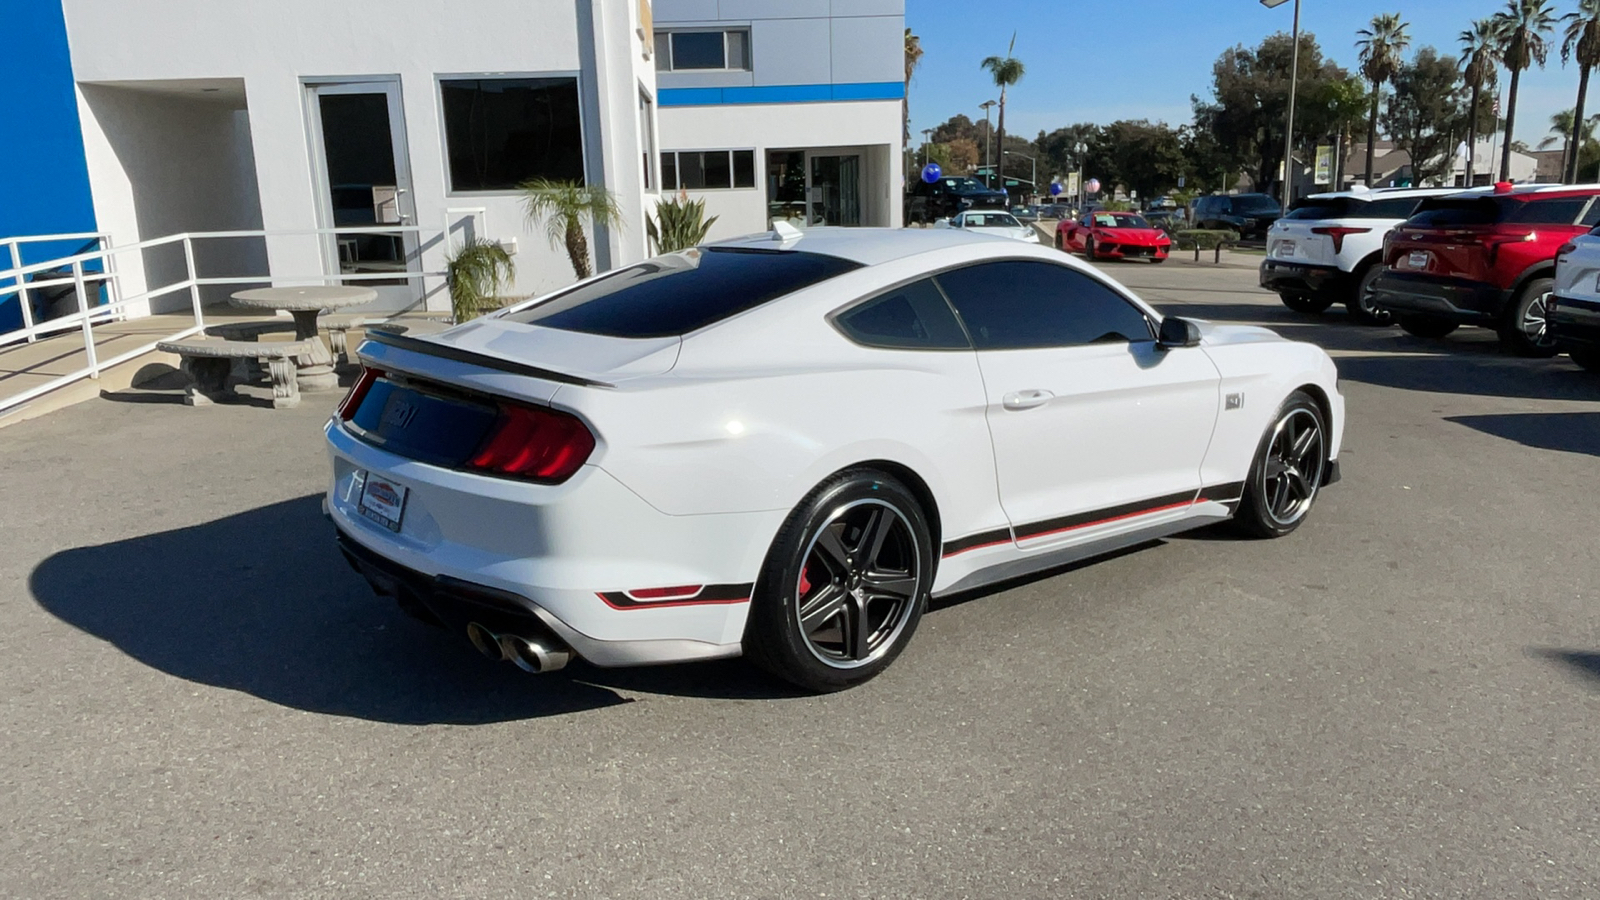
{"x": 1223, "y": 493}
{"x": 1096, "y": 516}
{"x": 974, "y": 541}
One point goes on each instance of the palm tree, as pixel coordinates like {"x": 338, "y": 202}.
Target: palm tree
{"x": 1579, "y": 138}
{"x": 1382, "y": 47}
{"x": 476, "y": 273}
{"x": 1480, "y": 58}
{"x": 1007, "y": 71}
{"x": 564, "y": 206}
{"x": 1582, "y": 39}
{"x": 913, "y": 58}
{"x": 1522, "y": 27}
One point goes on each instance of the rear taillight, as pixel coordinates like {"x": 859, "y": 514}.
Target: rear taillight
{"x": 537, "y": 444}
{"x": 358, "y": 393}
{"x": 1338, "y": 234}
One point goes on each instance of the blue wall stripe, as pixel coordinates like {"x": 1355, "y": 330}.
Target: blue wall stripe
{"x": 781, "y": 93}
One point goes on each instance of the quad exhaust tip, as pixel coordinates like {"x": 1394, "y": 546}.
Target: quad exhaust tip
{"x": 534, "y": 655}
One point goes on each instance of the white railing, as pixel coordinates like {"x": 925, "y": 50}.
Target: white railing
{"x": 118, "y": 303}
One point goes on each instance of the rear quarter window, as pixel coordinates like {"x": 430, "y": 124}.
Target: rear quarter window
{"x": 673, "y": 295}
{"x": 1554, "y": 211}
{"x": 911, "y": 317}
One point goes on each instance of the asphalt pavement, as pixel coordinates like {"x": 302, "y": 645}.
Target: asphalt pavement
{"x": 1402, "y": 699}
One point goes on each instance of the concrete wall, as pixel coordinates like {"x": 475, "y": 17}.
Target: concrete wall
{"x": 275, "y": 47}
{"x": 165, "y": 163}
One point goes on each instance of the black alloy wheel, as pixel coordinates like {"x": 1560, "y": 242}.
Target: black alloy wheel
{"x": 1360, "y": 303}
{"x": 1088, "y": 248}
{"x": 1288, "y": 470}
{"x": 844, "y": 585}
{"x": 1427, "y": 326}
{"x": 1308, "y": 304}
{"x": 1523, "y": 328}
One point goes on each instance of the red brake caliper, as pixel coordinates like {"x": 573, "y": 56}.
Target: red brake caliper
{"x": 805, "y": 581}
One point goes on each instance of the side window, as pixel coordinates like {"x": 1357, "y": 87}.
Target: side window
{"x": 913, "y": 317}
{"x": 1015, "y": 305}
{"x": 1592, "y": 217}
{"x": 1558, "y": 211}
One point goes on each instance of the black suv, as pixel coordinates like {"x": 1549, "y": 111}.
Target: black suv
{"x": 1249, "y": 214}
{"x": 950, "y": 195}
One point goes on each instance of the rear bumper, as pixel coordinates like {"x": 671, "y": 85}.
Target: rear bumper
{"x": 1455, "y": 299}
{"x": 1277, "y": 275}
{"x": 1574, "y": 323}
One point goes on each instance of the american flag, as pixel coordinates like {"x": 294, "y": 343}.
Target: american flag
{"x": 1497, "y": 106}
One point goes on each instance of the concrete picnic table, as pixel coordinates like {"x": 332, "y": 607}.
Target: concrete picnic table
{"x": 315, "y": 371}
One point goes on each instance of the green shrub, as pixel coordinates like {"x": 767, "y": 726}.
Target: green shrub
{"x": 476, "y": 273}
{"x": 679, "y": 223}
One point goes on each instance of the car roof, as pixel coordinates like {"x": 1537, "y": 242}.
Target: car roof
{"x": 868, "y": 246}
{"x": 1380, "y": 193}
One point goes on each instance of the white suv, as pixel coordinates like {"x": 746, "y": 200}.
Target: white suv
{"x": 1329, "y": 248}
{"x": 1572, "y": 311}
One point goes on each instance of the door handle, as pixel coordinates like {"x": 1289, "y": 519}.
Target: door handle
{"x": 1026, "y": 399}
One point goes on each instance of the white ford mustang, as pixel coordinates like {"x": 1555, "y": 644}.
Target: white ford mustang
{"x": 781, "y": 446}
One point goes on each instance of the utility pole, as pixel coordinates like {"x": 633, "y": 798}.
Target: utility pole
{"x": 988, "y": 138}
{"x": 1294, "y": 77}
{"x": 925, "y": 133}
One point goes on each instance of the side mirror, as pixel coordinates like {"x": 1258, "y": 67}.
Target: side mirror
{"x": 1176, "y": 332}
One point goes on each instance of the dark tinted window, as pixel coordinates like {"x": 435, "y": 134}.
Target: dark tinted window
{"x": 1016, "y": 305}
{"x": 698, "y": 50}
{"x": 500, "y": 132}
{"x": 1391, "y": 208}
{"x": 1248, "y": 204}
{"x": 677, "y": 294}
{"x": 1592, "y": 217}
{"x": 1555, "y": 211}
{"x": 913, "y": 317}
{"x": 1443, "y": 213}
{"x": 744, "y": 168}
{"x": 1327, "y": 208}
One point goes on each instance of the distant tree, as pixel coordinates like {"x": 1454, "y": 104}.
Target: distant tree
{"x": 1382, "y": 45}
{"x": 1581, "y": 40}
{"x": 1480, "y": 58}
{"x": 1057, "y": 149}
{"x": 913, "y": 57}
{"x": 1139, "y": 155}
{"x": 1422, "y": 116}
{"x": 955, "y": 127}
{"x": 1006, "y": 71}
{"x": 963, "y": 154}
{"x": 1578, "y": 138}
{"x": 1522, "y": 28}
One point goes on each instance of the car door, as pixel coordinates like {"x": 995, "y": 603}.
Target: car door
{"x": 1096, "y": 429}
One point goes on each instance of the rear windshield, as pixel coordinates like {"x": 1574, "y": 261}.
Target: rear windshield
{"x": 1254, "y": 203}
{"x": 1444, "y": 212}
{"x": 674, "y": 295}
{"x": 1389, "y": 208}
{"x": 1327, "y": 208}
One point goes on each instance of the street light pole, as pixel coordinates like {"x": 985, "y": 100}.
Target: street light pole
{"x": 925, "y": 133}
{"x": 988, "y": 138}
{"x": 1294, "y": 78}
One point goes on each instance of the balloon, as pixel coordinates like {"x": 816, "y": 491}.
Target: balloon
{"x": 1055, "y": 188}
{"x": 1092, "y": 186}
{"x": 930, "y": 173}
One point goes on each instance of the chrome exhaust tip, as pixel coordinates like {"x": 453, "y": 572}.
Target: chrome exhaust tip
{"x": 533, "y": 655}
{"x": 486, "y": 641}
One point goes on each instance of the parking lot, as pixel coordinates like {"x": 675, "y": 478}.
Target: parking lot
{"x": 1402, "y": 699}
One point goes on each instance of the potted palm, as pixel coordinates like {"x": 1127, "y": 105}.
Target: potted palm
{"x": 564, "y": 207}
{"x": 679, "y": 223}
{"x": 476, "y": 274}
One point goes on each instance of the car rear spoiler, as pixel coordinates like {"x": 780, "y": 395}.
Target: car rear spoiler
{"x": 472, "y": 357}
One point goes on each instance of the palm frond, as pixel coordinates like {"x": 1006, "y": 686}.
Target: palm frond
{"x": 476, "y": 275}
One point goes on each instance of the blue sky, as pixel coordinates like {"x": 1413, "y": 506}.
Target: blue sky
{"x": 1131, "y": 59}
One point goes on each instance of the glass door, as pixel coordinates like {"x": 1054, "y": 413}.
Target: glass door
{"x": 364, "y": 180}
{"x": 835, "y": 190}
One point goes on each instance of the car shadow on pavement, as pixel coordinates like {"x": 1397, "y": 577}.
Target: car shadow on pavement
{"x": 261, "y": 602}
{"x": 1583, "y": 663}
{"x": 1574, "y": 432}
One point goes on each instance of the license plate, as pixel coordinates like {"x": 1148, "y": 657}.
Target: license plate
{"x": 1286, "y": 248}
{"x": 383, "y": 501}
{"x": 1417, "y": 260}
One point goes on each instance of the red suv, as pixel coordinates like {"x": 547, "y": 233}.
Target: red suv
{"x": 1483, "y": 259}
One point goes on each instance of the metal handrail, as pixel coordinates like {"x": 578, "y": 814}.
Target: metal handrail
{"x": 85, "y": 315}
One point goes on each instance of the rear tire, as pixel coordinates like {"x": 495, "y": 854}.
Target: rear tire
{"x": 1360, "y": 305}
{"x": 1522, "y": 328}
{"x": 1287, "y": 473}
{"x": 1427, "y": 326}
{"x": 1588, "y": 358}
{"x": 1308, "y": 304}
{"x": 844, "y": 585}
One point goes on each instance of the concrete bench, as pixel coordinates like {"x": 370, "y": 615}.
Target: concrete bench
{"x": 207, "y": 363}
{"x": 339, "y": 327}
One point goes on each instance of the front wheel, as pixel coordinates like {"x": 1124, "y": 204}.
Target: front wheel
{"x": 1360, "y": 304}
{"x": 1288, "y": 470}
{"x": 1309, "y": 304}
{"x": 844, "y": 584}
{"x": 1523, "y": 328}
{"x": 1427, "y": 326}
{"x": 1088, "y": 248}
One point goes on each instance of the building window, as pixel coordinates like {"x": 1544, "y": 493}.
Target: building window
{"x": 500, "y": 132}
{"x": 692, "y": 51}
{"x": 698, "y": 170}
{"x": 647, "y": 138}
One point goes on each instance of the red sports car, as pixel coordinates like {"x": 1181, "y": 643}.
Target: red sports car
{"x": 1113, "y": 235}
